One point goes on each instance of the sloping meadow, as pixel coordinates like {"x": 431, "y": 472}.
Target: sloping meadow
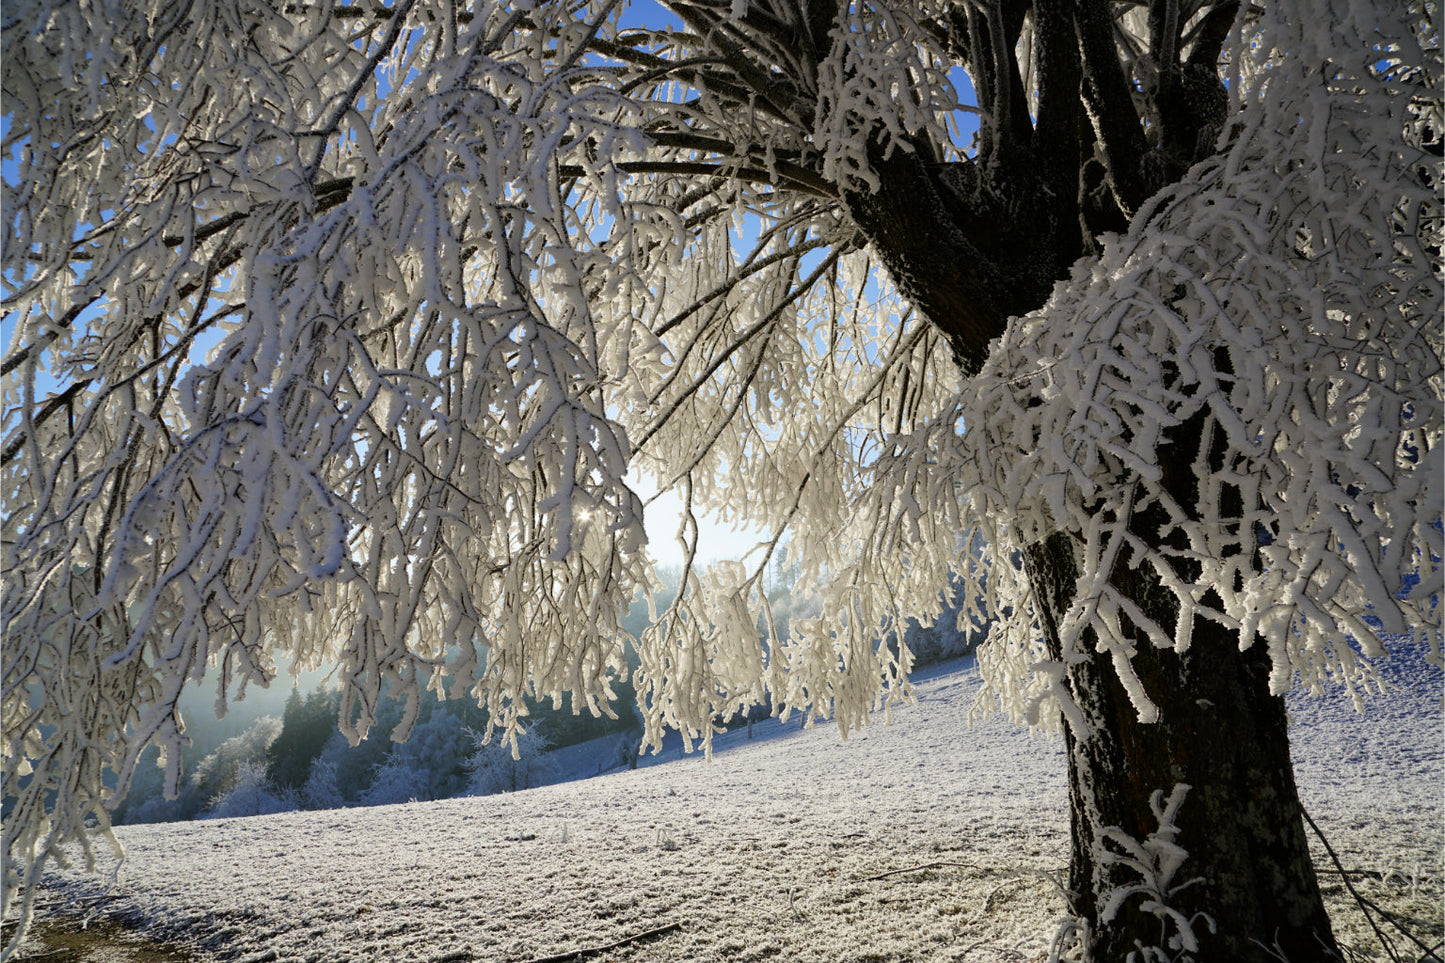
{"x": 929, "y": 839}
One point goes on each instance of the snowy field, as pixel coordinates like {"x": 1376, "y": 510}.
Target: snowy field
{"x": 925, "y": 840}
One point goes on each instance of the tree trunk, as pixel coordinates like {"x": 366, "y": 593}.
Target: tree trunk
{"x": 1254, "y": 895}
{"x": 1247, "y": 890}
{"x": 968, "y": 267}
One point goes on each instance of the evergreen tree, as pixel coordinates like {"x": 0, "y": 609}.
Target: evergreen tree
{"x": 306, "y": 724}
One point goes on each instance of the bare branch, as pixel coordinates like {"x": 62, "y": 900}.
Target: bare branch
{"x": 1111, "y": 106}
{"x": 570, "y": 956}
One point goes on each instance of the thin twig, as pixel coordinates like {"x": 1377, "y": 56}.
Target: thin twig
{"x": 1367, "y": 904}
{"x": 1381, "y": 875}
{"x": 988, "y": 900}
{"x": 587, "y": 951}
{"x": 916, "y": 869}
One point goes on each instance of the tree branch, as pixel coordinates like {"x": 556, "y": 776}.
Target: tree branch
{"x": 45, "y": 340}
{"x": 762, "y": 84}
{"x": 581, "y": 954}
{"x": 51, "y": 407}
{"x": 993, "y": 35}
{"x": 328, "y": 194}
{"x": 1111, "y": 106}
{"x": 917, "y": 869}
{"x": 690, "y": 71}
{"x": 1364, "y": 903}
{"x": 788, "y": 176}
{"x": 1164, "y": 31}
{"x": 1056, "y": 134}
{"x": 806, "y": 178}
{"x": 940, "y": 242}
{"x": 1206, "y": 38}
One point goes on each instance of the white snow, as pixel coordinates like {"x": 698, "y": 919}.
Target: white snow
{"x": 764, "y": 853}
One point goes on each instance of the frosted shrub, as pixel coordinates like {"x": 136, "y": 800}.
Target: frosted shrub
{"x": 321, "y": 789}
{"x": 397, "y": 780}
{"x": 437, "y": 750}
{"x": 1156, "y": 861}
{"x": 493, "y": 768}
{"x": 222, "y": 771}
{"x": 251, "y": 794}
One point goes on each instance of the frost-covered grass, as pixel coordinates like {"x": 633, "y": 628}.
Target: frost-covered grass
{"x": 775, "y": 850}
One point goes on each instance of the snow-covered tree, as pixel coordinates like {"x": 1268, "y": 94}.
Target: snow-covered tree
{"x": 321, "y": 789}
{"x": 337, "y": 329}
{"x": 493, "y": 768}
{"x": 252, "y": 794}
{"x": 437, "y": 749}
{"x": 232, "y": 780}
{"x": 306, "y": 724}
{"x": 397, "y": 780}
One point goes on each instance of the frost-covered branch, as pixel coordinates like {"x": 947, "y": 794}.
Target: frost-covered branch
{"x": 1228, "y": 305}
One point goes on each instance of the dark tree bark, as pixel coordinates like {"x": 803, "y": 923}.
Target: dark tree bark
{"x": 1222, "y": 734}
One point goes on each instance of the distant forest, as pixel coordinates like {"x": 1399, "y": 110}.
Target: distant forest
{"x": 247, "y": 765}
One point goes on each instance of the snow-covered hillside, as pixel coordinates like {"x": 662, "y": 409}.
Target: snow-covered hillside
{"x": 928, "y": 839}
